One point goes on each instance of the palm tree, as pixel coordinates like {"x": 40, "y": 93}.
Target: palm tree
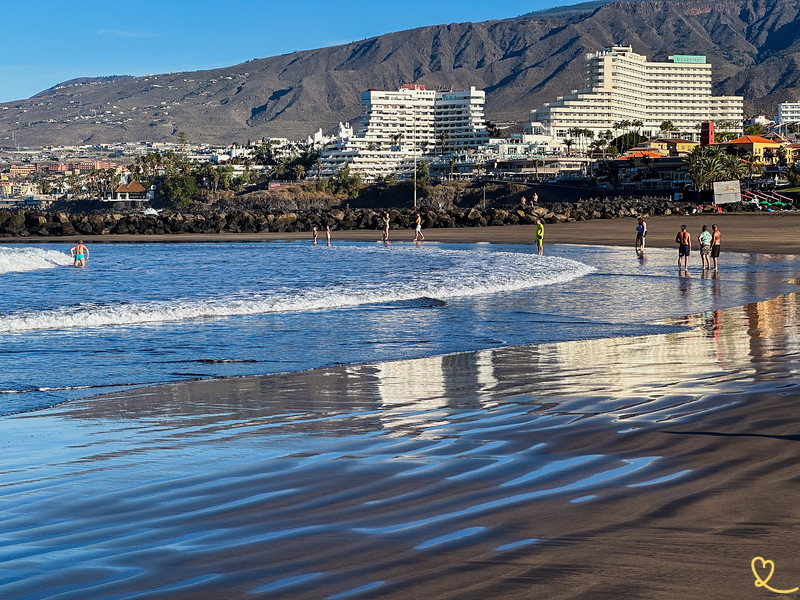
{"x": 568, "y": 143}
{"x": 666, "y": 127}
{"x": 299, "y": 171}
{"x": 443, "y": 137}
{"x": 733, "y": 167}
{"x": 705, "y": 166}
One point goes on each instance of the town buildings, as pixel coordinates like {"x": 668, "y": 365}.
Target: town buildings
{"x": 623, "y": 86}
{"x": 397, "y": 128}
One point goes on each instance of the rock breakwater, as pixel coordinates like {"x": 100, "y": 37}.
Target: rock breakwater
{"x": 46, "y": 224}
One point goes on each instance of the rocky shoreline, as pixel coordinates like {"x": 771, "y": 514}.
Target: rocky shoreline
{"x": 60, "y": 223}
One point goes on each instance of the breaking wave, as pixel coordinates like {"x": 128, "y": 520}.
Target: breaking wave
{"x": 474, "y": 273}
{"x": 21, "y": 260}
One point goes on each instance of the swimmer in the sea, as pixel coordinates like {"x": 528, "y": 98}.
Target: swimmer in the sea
{"x": 79, "y": 253}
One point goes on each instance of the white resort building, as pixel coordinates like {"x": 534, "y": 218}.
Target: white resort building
{"x": 397, "y": 127}
{"x": 624, "y": 86}
{"x": 788, "y": 112}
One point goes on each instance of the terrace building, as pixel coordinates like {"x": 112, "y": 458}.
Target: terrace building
{"x": 621, "y": 85}
{"x": 397, "y": 127}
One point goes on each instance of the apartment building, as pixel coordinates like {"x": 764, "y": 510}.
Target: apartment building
{"x": 621, "y": 85}
{"x": 397, "y": 128}
{"x": 788, "y": 112}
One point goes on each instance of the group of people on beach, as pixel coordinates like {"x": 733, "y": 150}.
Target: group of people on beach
{"x": 709, "y": 246}
{"x": 315, "y": 234}
{"x": 418, "y": 237}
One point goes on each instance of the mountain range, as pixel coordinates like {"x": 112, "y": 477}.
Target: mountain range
{"x": 753, "y": 45}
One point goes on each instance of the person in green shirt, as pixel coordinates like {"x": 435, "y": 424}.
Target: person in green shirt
{"x": 539, "y": 236}
{"x": 705, "y": 247}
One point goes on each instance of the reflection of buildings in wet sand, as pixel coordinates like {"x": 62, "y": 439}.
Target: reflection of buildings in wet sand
{"x": 727, "y": 340}
{"x": 437, "y": 383}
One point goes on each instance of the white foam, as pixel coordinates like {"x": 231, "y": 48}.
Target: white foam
{"x": 21, "y": 260}
{"x": 473, "y": 273}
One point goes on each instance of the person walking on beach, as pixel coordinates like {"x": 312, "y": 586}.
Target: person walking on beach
{"x": 386, "y": 227}
{"x": 328, "y": 235}
{"x": 79, "y": 253}
{"x": 715, "y": 241}
{"x": 684, "y": 241}
{"x": 314, "y": 234}
{"x": 705, "y": 247}
{"x": 418, "y": 232}
{"x": 539, "y": 237}
{"x": 641, "y": 233}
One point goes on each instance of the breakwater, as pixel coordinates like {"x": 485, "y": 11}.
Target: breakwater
{"x": 59, "y": 223}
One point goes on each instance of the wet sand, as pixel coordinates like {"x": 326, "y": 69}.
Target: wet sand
{"x": 650, "y": 467}
{"x": 775, "y": 233}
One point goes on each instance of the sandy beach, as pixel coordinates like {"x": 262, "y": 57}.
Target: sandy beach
{"x": 774, "y": 233}
{"x": 669, "y": 464}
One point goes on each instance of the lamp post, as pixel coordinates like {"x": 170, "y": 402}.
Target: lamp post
{"x": 414, "y": 149}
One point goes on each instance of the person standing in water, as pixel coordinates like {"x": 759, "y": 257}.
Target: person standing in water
{"x": 715, "y": 242}
{"x": 684, "y": 241}
{"x": 705, "y": 247}
{"x": 328, "y": 234}
{"x": 418, "y": 232}
{"x": 386, "y": 227}
{"x": 79, "y": 253}
{"x": 314, "y": 234}
{"x": 539, "y": 238}
{"x": 641, "y": 233}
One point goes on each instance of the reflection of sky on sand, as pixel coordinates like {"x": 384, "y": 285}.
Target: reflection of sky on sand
{"x": 250, "y": 487}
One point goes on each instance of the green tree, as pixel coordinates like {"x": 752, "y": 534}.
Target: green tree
{"x": 423, "y": 172}
{"x": 178, "y": 190}
{"x": 666, "y": 127}
{"x": 443, "y": 137}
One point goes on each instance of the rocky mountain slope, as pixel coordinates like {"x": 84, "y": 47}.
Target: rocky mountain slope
{"x": 754, "y": 46}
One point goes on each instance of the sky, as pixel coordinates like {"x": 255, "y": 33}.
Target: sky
{"x": 48, "y": 42}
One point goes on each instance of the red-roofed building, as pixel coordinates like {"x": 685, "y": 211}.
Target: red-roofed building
{"x": 755, "y": 145}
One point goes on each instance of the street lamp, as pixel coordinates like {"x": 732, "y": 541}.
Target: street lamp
{"x": 414, "y": 149}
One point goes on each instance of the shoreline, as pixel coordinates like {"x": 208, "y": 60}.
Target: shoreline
{"x": 774, "y": 233}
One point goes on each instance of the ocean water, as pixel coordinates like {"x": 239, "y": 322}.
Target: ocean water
{"x": 144, "y": 314}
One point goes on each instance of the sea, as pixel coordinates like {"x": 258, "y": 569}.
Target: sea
{"x": 144, "y": 314}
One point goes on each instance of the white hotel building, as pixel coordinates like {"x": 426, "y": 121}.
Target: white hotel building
{"x": 397, "y": 126}
{"x": 788, "y": 112}
{"x": 624, "y": 86}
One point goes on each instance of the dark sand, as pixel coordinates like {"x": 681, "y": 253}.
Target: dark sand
{"x": 751, "y": 232}
{"x": 653, "y": 467}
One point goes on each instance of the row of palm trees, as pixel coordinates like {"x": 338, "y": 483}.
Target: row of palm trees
{"x": 709, "y": 163}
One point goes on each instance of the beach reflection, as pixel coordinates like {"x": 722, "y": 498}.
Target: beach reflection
{"x": 383, "y": 476}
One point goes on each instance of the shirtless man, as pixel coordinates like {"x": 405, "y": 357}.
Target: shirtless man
{"x": 80, "y": 253}
{"x": 716, "y": 236}
{"x": 386, "y": 227}
{"x": 418, "y": 232}
{"x": 684, "y": 241}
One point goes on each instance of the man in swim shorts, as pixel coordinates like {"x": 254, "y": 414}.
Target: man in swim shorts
{"x": 80, "y": 253}
{"x": 715, "y": 241}
{"x": 684, "y": 241}
{"x": 539, "y": 237}
{"x": 418, "y": 233}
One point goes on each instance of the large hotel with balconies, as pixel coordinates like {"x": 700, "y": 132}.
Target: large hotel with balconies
{"x": 400, "y": 126}
{"x": 624, "y": 86}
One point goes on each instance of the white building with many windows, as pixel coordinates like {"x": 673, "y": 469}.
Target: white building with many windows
{"x": 398, "y": 127}
{"x": 622, "y": 85}
{"x": 788, "y": 112}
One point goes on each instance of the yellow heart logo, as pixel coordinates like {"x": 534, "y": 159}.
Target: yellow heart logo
{"x": 764, "y": 581}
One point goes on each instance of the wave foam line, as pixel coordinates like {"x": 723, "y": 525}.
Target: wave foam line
{"x": 22, "y": 260}
{"x": 507, "y": 274}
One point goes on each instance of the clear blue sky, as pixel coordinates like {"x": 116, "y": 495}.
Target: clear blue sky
{"x": 49, "y": 41}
